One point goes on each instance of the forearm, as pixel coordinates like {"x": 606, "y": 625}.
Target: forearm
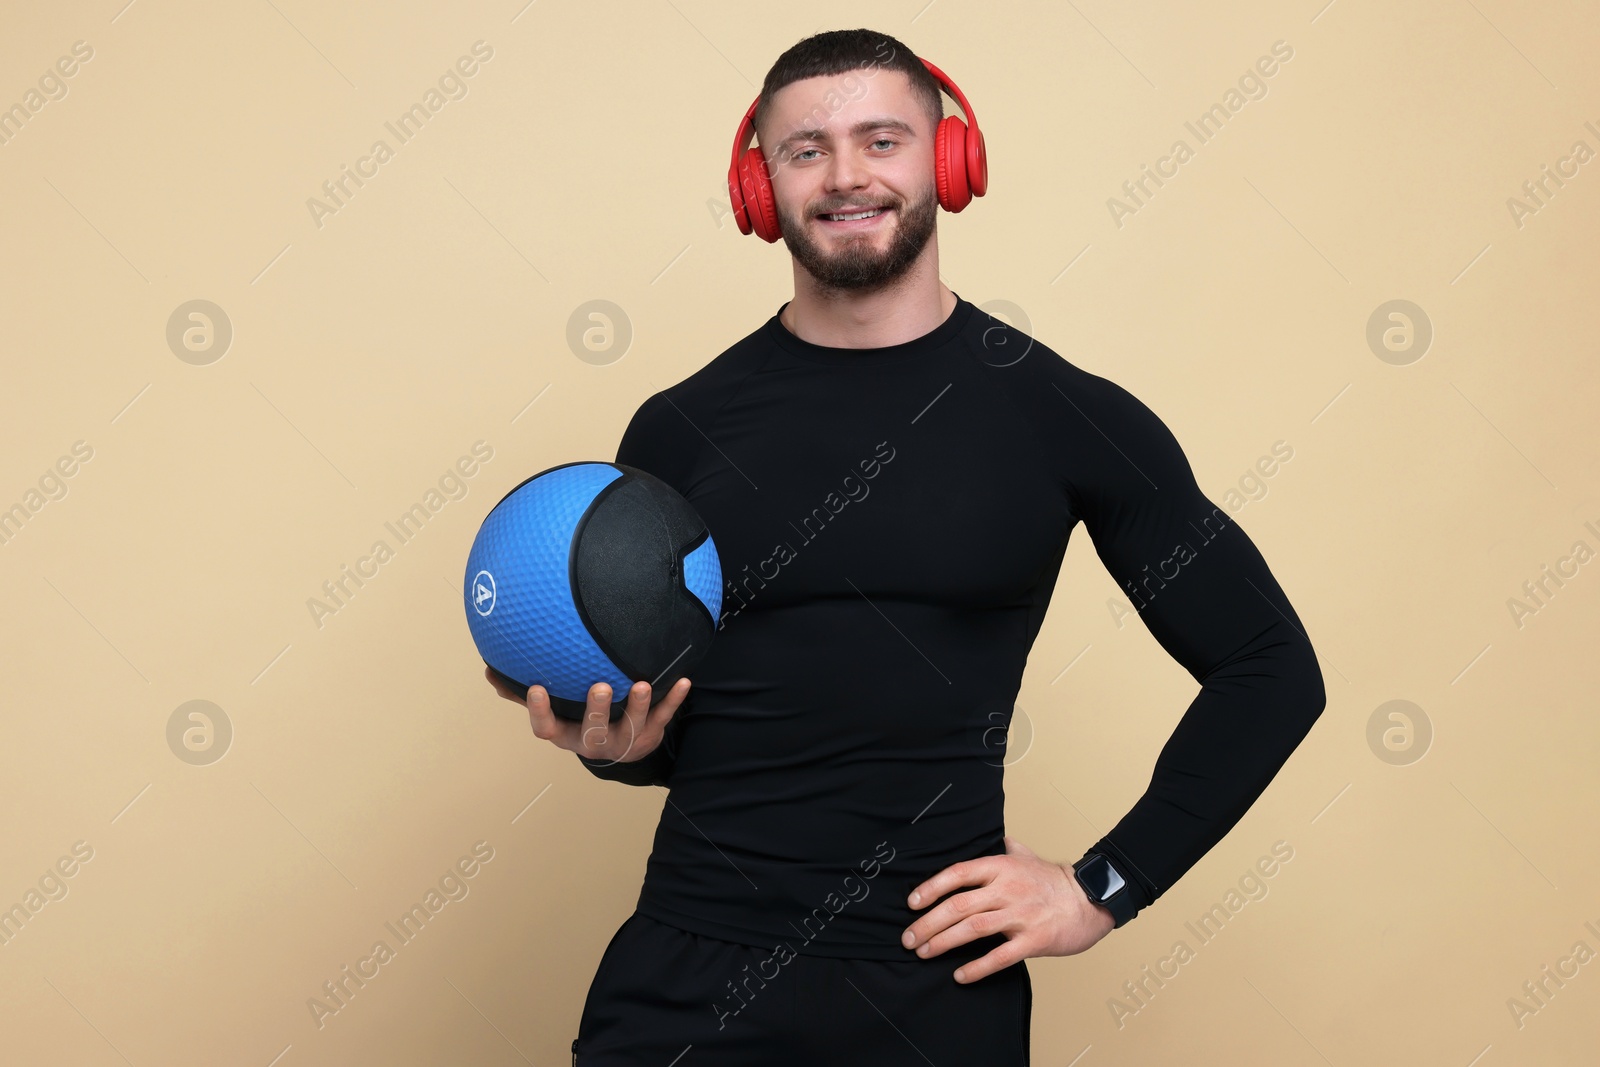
{"x": 1249, "y": 716}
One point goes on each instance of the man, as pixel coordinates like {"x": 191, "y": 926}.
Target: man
{"x": 891, "y": 477}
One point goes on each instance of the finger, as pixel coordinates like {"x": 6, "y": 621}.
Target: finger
{"x": 933, "y": 929}
{"x": 636, "y": 712}
{"x": 981, "y": 924}
{"x": 638, "y": 706}
{"x": 998, "y": 959}
{"x": 968, "y": 872}
{"x": 625, "y": 733}
{"x": 597, "y": 721}
{"x": 499, "y": 684}
{"x": 600, "y": 739}
{"x": 668, "y": 705}
{"x": 543, "y": 720}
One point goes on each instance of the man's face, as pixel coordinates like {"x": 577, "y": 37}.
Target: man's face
{"x": 845, "y": 144}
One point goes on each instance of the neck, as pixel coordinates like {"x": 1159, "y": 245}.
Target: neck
{"x": 908, "y": 307}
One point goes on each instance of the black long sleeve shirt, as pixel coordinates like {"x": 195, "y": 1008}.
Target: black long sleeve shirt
{"x": 891, "y": 522}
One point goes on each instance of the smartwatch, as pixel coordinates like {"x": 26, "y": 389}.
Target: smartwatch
{"x": 1104, "y": 885}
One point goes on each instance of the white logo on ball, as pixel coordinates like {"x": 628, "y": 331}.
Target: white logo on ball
{"x": 483, "y": 592}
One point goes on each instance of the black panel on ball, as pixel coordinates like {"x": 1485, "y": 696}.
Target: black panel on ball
{"x": 627, "y": 580}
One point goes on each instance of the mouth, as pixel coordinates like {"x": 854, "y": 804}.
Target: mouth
{"x": 862, "y": 219}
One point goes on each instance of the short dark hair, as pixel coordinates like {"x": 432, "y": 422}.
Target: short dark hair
{"x": 841, "y": 51}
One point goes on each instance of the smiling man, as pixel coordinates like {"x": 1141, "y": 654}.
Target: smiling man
{"x": 892, "y": 477}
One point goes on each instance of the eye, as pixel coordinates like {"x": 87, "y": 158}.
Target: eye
{"x": 802, "y": 152}
{"x": 886, "y": 140}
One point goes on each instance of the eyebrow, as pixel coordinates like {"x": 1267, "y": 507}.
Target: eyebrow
{"x": 864, "y": 126}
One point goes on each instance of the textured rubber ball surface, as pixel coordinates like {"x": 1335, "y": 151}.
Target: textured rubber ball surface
{"x": 592, "y": 572}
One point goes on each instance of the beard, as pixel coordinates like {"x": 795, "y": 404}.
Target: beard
{"x": 856, "y": 263}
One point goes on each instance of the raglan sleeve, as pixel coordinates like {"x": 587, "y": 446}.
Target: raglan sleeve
{"x": 1204, "y": 592}
{"x": 649, "y": 444}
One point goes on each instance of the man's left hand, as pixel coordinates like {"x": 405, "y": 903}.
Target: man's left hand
{"x": 1038, "y": 905}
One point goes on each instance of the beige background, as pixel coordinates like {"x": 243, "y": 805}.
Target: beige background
{"x": 587, "y": 161}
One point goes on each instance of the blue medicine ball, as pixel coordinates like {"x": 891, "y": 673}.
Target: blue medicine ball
{"x": 592, "y": 572}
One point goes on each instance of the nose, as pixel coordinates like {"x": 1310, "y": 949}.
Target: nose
{"x": 845, "y": 172}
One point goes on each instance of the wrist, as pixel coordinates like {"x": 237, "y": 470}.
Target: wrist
{"x": 1106, "y": 886}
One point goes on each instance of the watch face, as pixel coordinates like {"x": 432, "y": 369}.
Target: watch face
{"x": 1099, "y": 878}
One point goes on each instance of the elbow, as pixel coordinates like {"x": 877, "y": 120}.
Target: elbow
{"x": 1301, "y": 685}
{"x": 1311, "y": 691}
{"x": 1281, "y": 660}
{"x": 1298, "y": 692}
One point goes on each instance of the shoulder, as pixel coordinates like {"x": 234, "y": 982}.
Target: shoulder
{"x": 669, "y": 426}
{"x": 1098, "y": 435}
{"x": 703, "y": 391}
{"x": 1023, "y": 365}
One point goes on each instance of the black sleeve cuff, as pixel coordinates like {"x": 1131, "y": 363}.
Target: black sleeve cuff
{"x": 654, "y": 769}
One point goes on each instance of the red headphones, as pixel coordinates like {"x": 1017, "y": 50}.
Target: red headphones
{"x": 960, "y": 167}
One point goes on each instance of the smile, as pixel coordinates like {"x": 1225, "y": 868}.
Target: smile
{"x": 855, "y": 219}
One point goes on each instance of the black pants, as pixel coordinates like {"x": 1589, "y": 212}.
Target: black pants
{"x": 660, "y": 998}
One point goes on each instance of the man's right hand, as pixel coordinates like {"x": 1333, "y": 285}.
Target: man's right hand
{"x": 632, "y": 737}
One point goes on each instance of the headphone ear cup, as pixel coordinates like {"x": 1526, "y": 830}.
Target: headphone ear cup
{"x": 762, "y": 207}
{"x": 977, "y": 163}
{"x": 950, "y": 164}
{"x": 941, "y": 166}
{"x": 747, "y": 192}
{"x": 741, "y": 212}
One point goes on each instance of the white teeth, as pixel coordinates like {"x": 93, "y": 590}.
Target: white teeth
{"x": 851, "y": 218}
